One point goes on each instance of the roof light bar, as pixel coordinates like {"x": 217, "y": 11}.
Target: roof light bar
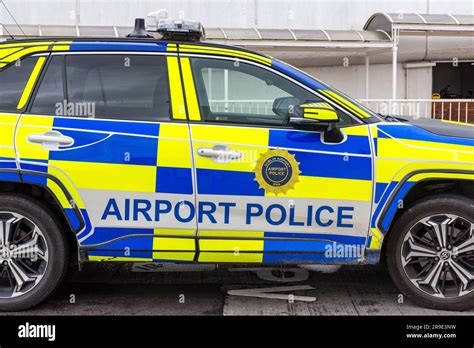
{"x": 174, "y": 29}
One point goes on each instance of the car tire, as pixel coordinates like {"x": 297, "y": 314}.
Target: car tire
{"x": 410, "y": 249}
{"x": 33, "y": 224}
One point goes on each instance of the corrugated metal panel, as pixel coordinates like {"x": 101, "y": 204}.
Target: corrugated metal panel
{"x": 303, "y": 34}
{"x": 276, "y": 34}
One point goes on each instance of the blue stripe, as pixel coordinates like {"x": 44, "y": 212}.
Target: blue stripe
{"x": 73, "y": 219}
{"x": 105, "y": 234}
{"x": 174, "y": 180}
{"x": 222, "y": 182}
{"x": 150, "y": 129}
{"x": 349, "y": 240}
{"x": 379, "y": 190}
{"x": 34, "y": 167}
{"x": 34, "y": 179}
{"x": 7, "y": 163}
{"x": 334, "y": 166}
{"x": 404, "y": 131}
{"x": 120, "y": 253}
{"x": 387, "y": 220}
{"x": 9, "y": 176}
{"x": 117, "y": 46}
{"x": 118, "y": 149}
{"x": 88, "y": 224}
{"x": 290, "y": 139}
{"x": 297, "y": 75}
{"x": 285, "y": 258}
{"x": 383, "y": 200}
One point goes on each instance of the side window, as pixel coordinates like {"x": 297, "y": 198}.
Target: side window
{"x": 237, "y": 92}
{"x": 129, "y": 87}
{"x": 49, "y": 99}
{"x": 13, "y": 80}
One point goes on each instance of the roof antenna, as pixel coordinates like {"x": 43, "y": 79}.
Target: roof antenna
{"x": 139, "y": 31}
{"x": 6, "y": 8}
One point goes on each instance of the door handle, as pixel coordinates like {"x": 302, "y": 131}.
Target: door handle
{"x": 51, "y": 140}
{"x": 219, "y": 153}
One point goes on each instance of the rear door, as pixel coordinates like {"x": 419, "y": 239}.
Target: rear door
{"x": 267, "y": 192}
{"x": 14, "y": 80}
{"x": 103, "y": 126}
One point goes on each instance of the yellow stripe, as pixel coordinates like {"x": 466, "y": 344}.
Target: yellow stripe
{"x": 61, "y": 48}
{"x": 320, "y": 114}
{"x": 460, "y": 123}
{"x": 171, "y": 47}
{"x": 255, "y": 140}
{"x": 388, "y": 170}
{"x": 376, "y": 241}
{"x": 174, "y": 140}
{"x": 177, "y": 100}
{"x": 345, "y": 103}
{"x": 7, "y": 51}
{"x": 58, "y": 193}
{"x": 69, "y": 186}
{"x": 232, "y": 245}
{"x": 25, "y": 52}
{"x": 106, "y": 176}
{"x": 424, "y": 150}
{"x": 231, "y": 257}
{"x": 362, "y": 130}
{"x": 190, "y": 90}
{"x": 423, "y": 176}
{"x": 25, "y": 44}
{"x": 30, "y": 124}
{"x": 173, "y": 256}
{"x": 225, "y": 51}
{"x": 235, "y": 234}
{"x": 330, "y": 188}
{"x": 31, "y": 83}
{"x": 7, "y": 135}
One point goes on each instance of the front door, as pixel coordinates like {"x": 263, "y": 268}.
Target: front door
{"x": 101, "y": 125}
{"x": 269, "y": 193}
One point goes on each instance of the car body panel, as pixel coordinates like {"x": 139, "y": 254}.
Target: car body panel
{"x": 372, "y": 170}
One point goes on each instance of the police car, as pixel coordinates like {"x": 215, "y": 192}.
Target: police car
{"x": 173, "y": 150}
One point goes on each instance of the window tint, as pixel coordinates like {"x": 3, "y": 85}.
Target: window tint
{"x": 13, "y": 81}
{"x": 236, "y": 92}
{"x": 49, "y": 99}
{"x": 118, "y": 87}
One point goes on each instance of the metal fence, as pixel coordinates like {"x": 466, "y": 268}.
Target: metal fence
{"x": 458, "y": 110}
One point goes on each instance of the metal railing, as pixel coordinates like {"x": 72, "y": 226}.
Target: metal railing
{"x": 245, "y": 106}
{"x": 458, "y": 110}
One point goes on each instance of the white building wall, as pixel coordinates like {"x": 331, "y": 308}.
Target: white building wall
{"x": 304, "y": 14}
{"x": 351, "y": 80}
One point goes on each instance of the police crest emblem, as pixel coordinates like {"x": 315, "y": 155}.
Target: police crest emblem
{"x": 277, "y": 171}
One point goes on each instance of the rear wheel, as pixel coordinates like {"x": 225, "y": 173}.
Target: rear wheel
{"x": 430, "y": 253}
{"x": 33, "y": 253}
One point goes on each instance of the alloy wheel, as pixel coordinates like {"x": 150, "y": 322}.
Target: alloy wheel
{"x": 438, "y": 255}
{"x": 23, "y": 255}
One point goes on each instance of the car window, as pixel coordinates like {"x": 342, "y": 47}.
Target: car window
{"x": 13, "y": 80}
{"x": 49, "y": 99}
{"x": 237, "y": 92}
{"x": 130, "y": 87}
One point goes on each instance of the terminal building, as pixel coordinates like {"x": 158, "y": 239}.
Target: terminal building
{"x": 397, "y": 57}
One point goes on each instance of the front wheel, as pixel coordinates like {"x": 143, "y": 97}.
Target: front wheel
{"x": 33, "y": 253}
{"x": 430, "y": 253}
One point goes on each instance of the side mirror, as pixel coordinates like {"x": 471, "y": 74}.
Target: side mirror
{"x": 281, "y": 106}
{"x": 314, "y": 113}
{"x": 318, "y": 116}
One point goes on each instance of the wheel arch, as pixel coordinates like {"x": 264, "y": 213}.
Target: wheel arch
{"x": 50, "y": 191}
